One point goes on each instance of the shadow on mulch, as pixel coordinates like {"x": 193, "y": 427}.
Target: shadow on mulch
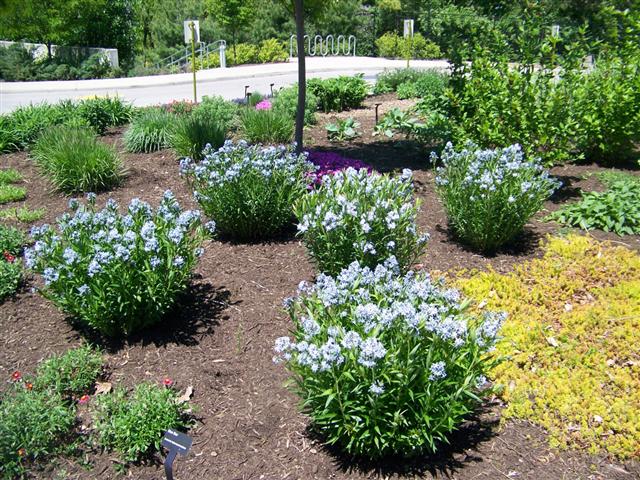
{"x": 477, "y": 429}
{"x": 196, "y": 314}
{"x": 567, "y": 191}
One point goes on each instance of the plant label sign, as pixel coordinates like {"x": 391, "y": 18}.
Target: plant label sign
{"x": 187, "y": 31}
{"x": 408, "y": 28}
{"x": 176, "y": 442}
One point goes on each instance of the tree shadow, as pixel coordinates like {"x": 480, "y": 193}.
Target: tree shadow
{"x": 197, "y": 312}
{"x": 450, "y": 457}
{"x": 567, "y": 191}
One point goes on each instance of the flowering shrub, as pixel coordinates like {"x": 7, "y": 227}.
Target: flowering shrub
{"x": 263, "y": 105}
{"x": 386, "y": 364}
{"x": 489, "y": 195}
{"x": 359, "y": 216}
{"x": 249, "y": 190}
{"x": 328, "y": 163}
{"x": 117, "y": 273}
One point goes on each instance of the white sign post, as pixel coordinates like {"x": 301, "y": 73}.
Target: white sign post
{"x": 408, "y": 35}
{"x": 555, "y": 31}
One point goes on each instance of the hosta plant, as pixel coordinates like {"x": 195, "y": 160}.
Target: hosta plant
{"x": 249, "y": 190}
{"x": 343, "y": 130}
{"x": 360, "y": 216}
{"x": 489, "y": 195}
{"x": 383, "y": 363}
{"x": 117, "y": 273}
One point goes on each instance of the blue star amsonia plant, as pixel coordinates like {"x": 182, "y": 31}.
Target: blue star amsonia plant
{"x": 117, "y": 273}
{"x": 249, "y": 190}
{"x": 386, "y": 363}
{"x": 358, "y": 216}
{"x": 489, "y": 195}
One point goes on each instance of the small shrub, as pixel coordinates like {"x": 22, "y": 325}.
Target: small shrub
{"x": 287, "y": 100}
{"x": 489, "y": 195}
{"x": 32, "y": 427}
{"x": 71, "y": 374}
{"x": 386, "y": 364}
{"x": 390, "y": 80}
{"x": 11, "y": 193}
{"x": 150, "y": 131}
{"x": 133, "y": 424}
{"x": 11, "y": 240}
{"x": 616, "y": 210}
{"x": 74, "y": 160}
{"x": 392, "y": 45}
{"x": 23, "y": 214}
{"x": 389, "y": 45}
{"x": 103, "y": 112}
{"x": 340, "y": 93}
{"x": 249, "y": 191}
{"x": 10, "y": 175}
{"x": 343, "y": 130}
{"x": 10, "y": 274}
{"x": 242, "y": 53}
{"x": 272, "y": 50}
{"x": 429, "y": 85}
{"x": 180, "y": 107}
{"x": 217, "y": 109}
{"x": 266, "y": 126}
{"x": 117, "y": 273}
{"x": 192, "y": 134}
{"x": 357, "y": 216}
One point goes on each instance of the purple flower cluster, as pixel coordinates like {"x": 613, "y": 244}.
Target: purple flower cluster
{"x": 329, "y": 163}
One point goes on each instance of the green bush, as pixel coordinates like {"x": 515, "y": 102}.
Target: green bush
{"x": 266, "y": 126}
{"x": 10, "y": 275}
{"x": 74, "y": 160}
{"x": 242, "y": 53}
{"x": 392, "y": 45}
{"x": 11, "y": 240}
{"x": 430, "y": 84}
{"x": 33, "y": 425}
{"x": 117, "y": 273}
{"x": 286, "y": 100}
{"x": 615, "y": 210}
{"x": 149, "y": 131}
{"x": 357, "y": 216}
{"x": 192, "y": 134}
{"x": 217, "y": 109}
{"x": 272, "y": 50}
{"x": 133, "y": 424}
{"x": 11, "y": 193}
{"x": 340, "y": 93}
{"x": 249, "y": 191}
{"x": 71, "y": 374}
{"x": 386, "y": 364}
{"x": 27, "y": 123}
{"x": 390, "y": 80}
{"x": 103, "y": 112}
{"x": 489, "y": 195}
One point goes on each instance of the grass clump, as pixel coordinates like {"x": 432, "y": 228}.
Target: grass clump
{"x": 571, "y": 334}
{"x": 150, "y": 131}
{"x": 9, "y": 175}
{"x": 266, "y": 126}
{"x": 11, "y": 193}
{"x": 71, "y": 374}
{"x": 22, "y": 214}
{"x": 192, "y": 134}
{"x": 74, "y": 160}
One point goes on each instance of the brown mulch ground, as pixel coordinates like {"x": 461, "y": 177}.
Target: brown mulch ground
{"x": 220, "y": 341}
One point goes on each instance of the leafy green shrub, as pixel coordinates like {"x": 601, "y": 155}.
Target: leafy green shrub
{"x": 11, "y": 240}
{"x": 340, "y": 93}
{"x": 103, "y": 112}
{"x": 33, "y": 424}
{"x": 286, "y": 100}
{"x": 75, "y": 160}
{"x": 249, "y": 191}
{"x": 242, "y": 53}
{"x": 192, "y": 134}
{"x": 392, "y": 45}
{"x": 388, "y": 45}
{"x": 149, "y": 131}
{"x": 217, "y": 109}
{"x": 11, "y": 193}
{"x": 10, "y": 274}
{"x": 71, "y": 374}
{"x": 133, "y": 424}
{"x": 272, "y": 50}
{"x": 616, "y": 210}
{"x": 386, "y": 364}
{"x": 390, "y": 80}
{"x": 489, "y": 195}
{"x": 266, "y": 126}
{"x": 343, "y": 130}
{"x": 117, "y": 273}
{"x": 357, "y": 216}
{"x": 10, "y": 175}
{"x": 430, "y": 84}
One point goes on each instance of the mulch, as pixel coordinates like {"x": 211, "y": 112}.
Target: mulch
{"x": 220, "y": 338}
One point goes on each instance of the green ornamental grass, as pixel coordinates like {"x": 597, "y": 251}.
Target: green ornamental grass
{"x": 193, "y": 133}
{"x": 74, "y": 160}
{"x": 266, "y": 126}
{"x": 150, "y": 131}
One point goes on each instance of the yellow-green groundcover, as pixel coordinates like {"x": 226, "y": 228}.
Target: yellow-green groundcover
{"x": 572, "y": 342}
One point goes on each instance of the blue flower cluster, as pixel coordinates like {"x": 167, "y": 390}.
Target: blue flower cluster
{"x": 96, "y": 258}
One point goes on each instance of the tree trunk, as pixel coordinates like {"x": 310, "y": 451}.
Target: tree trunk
{"x": 302, "y": 74}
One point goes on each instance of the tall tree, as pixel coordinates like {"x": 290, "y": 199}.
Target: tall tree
{"x": 234, "y": 15}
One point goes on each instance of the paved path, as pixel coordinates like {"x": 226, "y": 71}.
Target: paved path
{"x": 229, "y": 82}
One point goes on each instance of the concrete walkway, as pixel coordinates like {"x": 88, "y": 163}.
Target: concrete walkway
{"x": 229, "y": 82}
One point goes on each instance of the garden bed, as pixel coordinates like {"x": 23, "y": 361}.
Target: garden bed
{"x": 220, "y": 339}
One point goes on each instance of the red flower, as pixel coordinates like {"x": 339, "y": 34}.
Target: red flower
{"x": 83, "y": 399}
{"x": 167, "y": 382}
{"x": 29, "y": 386}
{"x": 8, "y": 257}
{"x": 16, "y": 376}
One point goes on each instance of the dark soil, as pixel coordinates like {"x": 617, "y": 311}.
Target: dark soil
{"x": 220, "y": 342}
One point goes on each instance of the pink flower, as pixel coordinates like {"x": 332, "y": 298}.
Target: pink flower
{"x": 263, "y": 105}
{"x": 83, "y": 399}
{"x": 167, "y": 382}
{"x": 8, "y": 257}
{"x": 16, "y": 376}
{"x": 330, "y": 163}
